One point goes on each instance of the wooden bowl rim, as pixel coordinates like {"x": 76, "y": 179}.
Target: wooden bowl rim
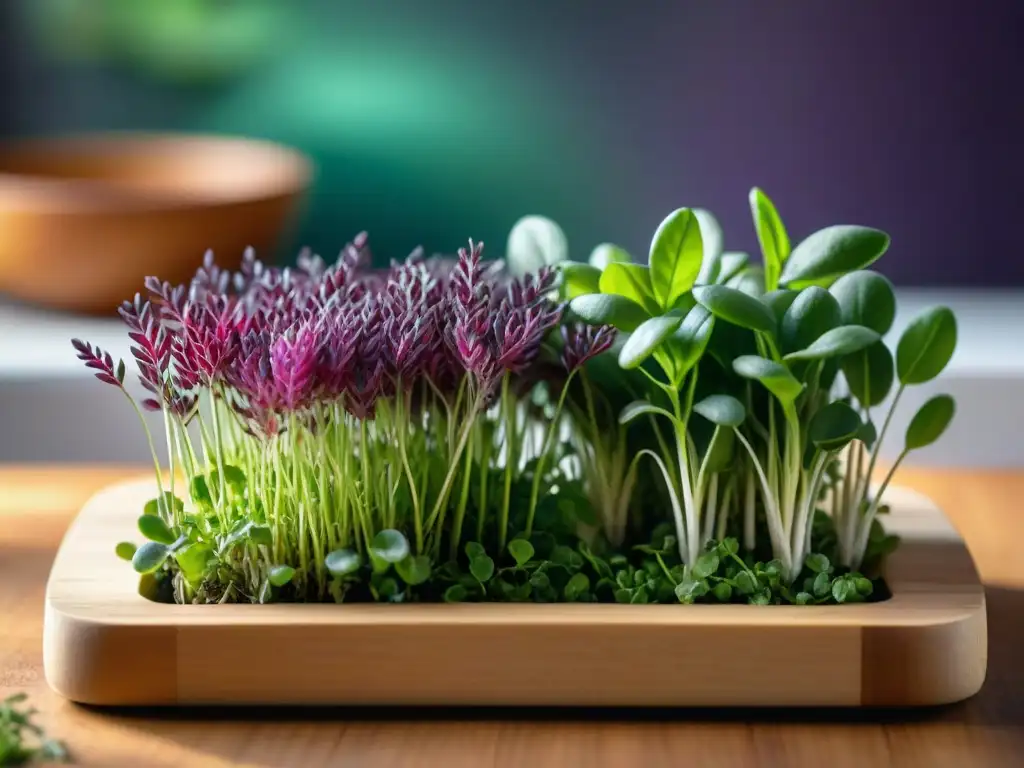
{"x": 46, "y": 193}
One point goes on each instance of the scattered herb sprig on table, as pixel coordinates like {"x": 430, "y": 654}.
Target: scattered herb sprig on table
{"x": 22, "y": 742}
{"x": 697, "y": 429}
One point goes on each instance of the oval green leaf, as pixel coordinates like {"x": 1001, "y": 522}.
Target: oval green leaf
{"x": 844, "y": 340}
{"x": 833, "y": 426}
{"x": 640, "y": 408}
{"x": 713, "y": 240}
{"x": 261, "y": 535}
{"x": 749, "y": 280}
{"x": 415, "y": 569}
{"x": 813, "y": 312}
{"x": 125, "y": 550}
{"x": 869, "y": 374}
{"x": 646, "y": 338}
{"x": 930, "y": 421}
{"x": 535, "y": 242}
{"x": 609, "y": 309}
{"x": 155, "y": 529}
{"x": 578, "y": 279}
{"x": 688, "y": 343}
{"x": 865, "y": 298}
{"x": 830, "y": 253}
{"x": 194, "y": 559}
{"x": 390, "y": 546}
{"x": 723, "y": 410}
{"x": 775, "y": 377}
{"x": 779, "y": 302}
{"x": 677, "y": 250}
{"x": 771, "y": 235}
{"x": 632, "y": 281}
{"x": 736, "y": 307}
{"x": 280, "y": 575}
{"x": 926, "y": 346}
{"x": 607, "y": 253}
{"x": 521, "y": 551}
{"x": 149, "y": 557}
{"x": 342, "y": 562}
{"x": 482, "y": 568}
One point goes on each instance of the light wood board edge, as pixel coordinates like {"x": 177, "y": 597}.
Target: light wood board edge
{"x": 105, "y": 644}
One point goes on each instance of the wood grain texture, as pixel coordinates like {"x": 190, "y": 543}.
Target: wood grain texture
{"x": 37, "y": 503}
{"x": 105, "y": 644}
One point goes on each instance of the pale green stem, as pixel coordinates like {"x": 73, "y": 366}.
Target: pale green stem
{"x": 544, "y": 450}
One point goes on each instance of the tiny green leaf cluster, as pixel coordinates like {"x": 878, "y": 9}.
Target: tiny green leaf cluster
{"x": 22, "y": 741}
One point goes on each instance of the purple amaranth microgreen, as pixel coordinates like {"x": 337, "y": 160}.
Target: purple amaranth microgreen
{"x": 102, "y": 363}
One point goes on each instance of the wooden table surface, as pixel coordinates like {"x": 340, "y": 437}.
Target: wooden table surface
{"x": 36, "y": 505}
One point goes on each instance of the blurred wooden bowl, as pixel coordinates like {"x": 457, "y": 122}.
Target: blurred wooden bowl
{"x": 84, "y": 220}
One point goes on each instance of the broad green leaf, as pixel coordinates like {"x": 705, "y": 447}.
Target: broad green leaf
{"x": 830, "y": 253}
{"x": 723, "y": 410}
{"x": 482, "y": 568}
{"x": 712, "y": 238}
{"x": 171, "y": 503}
{"x": 647, "y": 337}
{"x": 865, "y": 298}
{"x": 578, "y": 279}
{"x": 841, "y": 589}
{"x": 149, "y": 557}
{"x": 155, "y": 529}
{"x": 578, "y": 586}
{"x": 736, "y": 307}
{"x": 844, "y": 340}
{"x": 723, "y": 269}
{"x": 833, "y": 426}
{"x": 688, "y": 343}
{"x": 390, "y": 546}
{"x": 722, "y": 592}
{"x": 280, "y": 575}
{"x": 607, "y": 253}
{"x": 749, "y": 280}
{"x": 775, "y": 377}
{"x": 706, "y": 565}
{"x": 771, "y": 235}
{"x": 868, "y": 434}
{"x": 414, "y": 570}
{"x": 200, "y": 491}
{"x": 342, "y": 562}
{"x": 234, "y": 478}
{"x": 609, "y": 309}
{"x": 729, "y": 546}
{"x": 779, "y": 302}
{"x": 869, "y": 374}
{"x": 632, "y": 281}
{"x": 125, "y": 550}
{"x": 456, "y": 593}
{"x": 818, "y": 563}
{"x": 640, "y": 408}
{"x": 930, "y": 422}
{"x": 813, "y": 312}
{"x": 475, "y": 549}
{"x": 521, "y": 551}
{"x": 194, "y": 560}
{"x": 691, "y": 590}
{"x": 535, "y": 242}
{"x": 676, "y": 253}
{"x": 926, "y": 346}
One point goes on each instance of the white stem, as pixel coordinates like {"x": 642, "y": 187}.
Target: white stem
{"x": 780, "y": 544}
{"x": 805, "y": 518}
{"x": 677, "y": 512}
{"x": 711, "y": 508}
{"x": 723, "y": 514}
{"x": 865, "y": 527}
{"x": 749, "y": 502}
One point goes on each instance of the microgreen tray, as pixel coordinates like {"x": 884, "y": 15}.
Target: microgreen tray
{"x": 106, "y": 644}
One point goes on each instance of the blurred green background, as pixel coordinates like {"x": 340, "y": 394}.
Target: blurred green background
{"x": 420, "y": 133}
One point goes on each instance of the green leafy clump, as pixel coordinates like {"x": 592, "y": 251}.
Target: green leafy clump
{"x": 22, "y": 741}
{"x": 695, "y": 429}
